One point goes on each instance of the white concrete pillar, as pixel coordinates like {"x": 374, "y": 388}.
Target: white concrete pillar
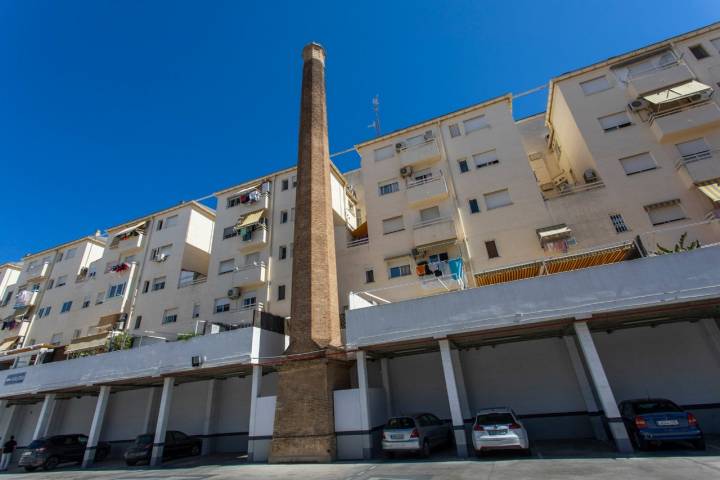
{"x": 209, "y": 417}
{"x": 585, "y": 389}
{"x": 46, "y": 412}
{"x": 9, "y": 414}
{"x": 712, "y": 333}
{"x": 96, "y": 427}
{"x": 602, "y": 387}
{"x": 453, "y": 398}
{"x": 150, "y": 416}
{"x": 162, "y": 421}
{"x": 460, "y": 380}
{"x": 385, "y": 372}
{"x": 362, "y": 374}
{"x": 254, "y": 394}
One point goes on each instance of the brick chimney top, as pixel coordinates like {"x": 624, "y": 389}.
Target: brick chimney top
{"x": 313, "y": 50}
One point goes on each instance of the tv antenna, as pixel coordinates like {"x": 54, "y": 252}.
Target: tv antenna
{"x": 376, "y": 109}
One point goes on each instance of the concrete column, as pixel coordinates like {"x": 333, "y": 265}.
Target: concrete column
{"x": 209, "y": 416}
{"x": 96, "y": 426}
{"x": 8, "y": 421}
{"x": 602, "y": 387}
{"x": 385, "y": 372}
{"x": 254, "y": 394}
{"x": 150, "y": 416}
{"x": 460, "y": 380}
{"x": 361, "y": 362}
{"x": 46, "y": 412}
{"x": 585, "y": 389}
{"x": 162, "y": 421}
{"x": 453, "y": 398}
{"x": 712, "y": 333}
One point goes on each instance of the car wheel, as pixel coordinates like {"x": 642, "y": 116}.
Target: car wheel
{"x": 130, "y": 463}
{"x": 425, "y": 449}
{"x": 388, "y": 454}
{"x": 30, "y": 469}
{"x": 640, "y": 443}
{"x": 195, "y": 451}
{"x": 51, "y": 463}
{"x": 699, "y": 444}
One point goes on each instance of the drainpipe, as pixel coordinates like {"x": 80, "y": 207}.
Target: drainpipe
{"x": 464, "y": 245}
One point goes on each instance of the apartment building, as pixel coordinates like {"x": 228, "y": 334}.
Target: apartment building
{"x": 463, "y": 251}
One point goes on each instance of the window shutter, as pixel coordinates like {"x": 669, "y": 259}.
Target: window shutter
{"x": 638, "y": 163}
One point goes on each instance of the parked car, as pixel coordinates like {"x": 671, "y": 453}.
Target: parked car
{"x": 656, "y": 420}
{"x": 499, "y": 429}
{"x": 177, "y": 444}
{"x": 418, "y": 433}
{"x": 49, "y": 452}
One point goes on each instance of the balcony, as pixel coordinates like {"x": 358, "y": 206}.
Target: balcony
{"x": 700, "y": 167}
{"x": 673, "y": 125}
{"x": 256, "y": 239}
{"x": 129, "y": 238}
{"x": 38, "y": 271}
{"x": 659, "y": 78}
{"x": 427, "y": 191}
{"x": 434, "y": 231}
{"x": 25, "y": 299}
{"x": 566, "y": 189}
{"x": 131, "y": 242}
{"x": 253, "y": 202}
{"x": 252, "y": 274}
{"x": 416, "y": 155}
{"x": 238, "y": 317}
{"x": 357, "y": 242}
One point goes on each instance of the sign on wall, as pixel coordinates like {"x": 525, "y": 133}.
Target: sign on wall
{"x": 15, "y": 378}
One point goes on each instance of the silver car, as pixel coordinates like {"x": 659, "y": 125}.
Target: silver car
{"x": 418, "y": 433}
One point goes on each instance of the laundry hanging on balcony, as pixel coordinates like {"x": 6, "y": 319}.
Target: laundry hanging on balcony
{"x": 129, "y": 232}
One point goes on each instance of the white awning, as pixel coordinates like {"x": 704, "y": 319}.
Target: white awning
{"x": 679, "y": 91}
{"x": 712, "y": 190}
{"x": 553, "y": 233}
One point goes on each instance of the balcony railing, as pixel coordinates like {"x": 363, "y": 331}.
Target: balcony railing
{"x": 358, "y": 242}
{"x": 425, "y": 152}
{"x": 39, "y": 270}
{"x": 572, "y": 189}
{"x": 196, "y": 279}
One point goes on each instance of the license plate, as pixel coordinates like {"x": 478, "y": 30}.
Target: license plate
{"x": 667, "y": 423}
{"x": 498, "y": 432}
{"x": 397, "y": 436}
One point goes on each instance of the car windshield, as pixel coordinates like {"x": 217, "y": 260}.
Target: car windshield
{"x": 36, "y": 444}
{"x": 655, "y": 406}
{"x": 144, "y": 440}
{"x": 496, "y": 418}
{"x": 400, "y": 422}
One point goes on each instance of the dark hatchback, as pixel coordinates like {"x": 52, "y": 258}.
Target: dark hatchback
{"x": 50, "y": 452}
{"x": 177, "y": 444}
{"x": 656, "y": 420}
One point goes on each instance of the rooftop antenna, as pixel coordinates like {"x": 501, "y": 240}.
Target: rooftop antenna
{"x": 376, "y": 109}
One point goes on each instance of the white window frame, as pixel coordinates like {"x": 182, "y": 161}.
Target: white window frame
{"x": 162, "y": 280}
{"x": 221, "y": 305}
{"x": 627, "y": 162}
{"x": 399, "y": 228}
{"x": 403, "y": 270}
{"x": 394, "y": 186}
{"x": 486, "y": 159}
{"x": 228, "y": 262}
{"x": 615, "y": 121}
{"x": 497, "y": 192}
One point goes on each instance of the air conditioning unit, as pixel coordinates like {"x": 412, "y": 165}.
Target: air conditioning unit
{"x": 590, "y": 176}
{"x": 400, "y": 146}
{"x": 429, "y": 135}
{"x": 196, "y": 360}
{"x": 639, "y": 104}
{"x": 234, "y": 293}
{"x": 561, "y": 179}
{"x": 406, "y": 172}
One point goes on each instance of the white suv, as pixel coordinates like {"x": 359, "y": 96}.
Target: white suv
{"x": 499, "y": 429}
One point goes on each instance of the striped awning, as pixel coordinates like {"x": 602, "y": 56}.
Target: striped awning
{"x": 8, "y": 344}
{"x": 508, "y": 274}
{"x": 250, "y": 219}
{"x": 677, "y": 92}
{"x": 90, "y": 342}
{"x": 139, "y": 228}
{"x": 712, "y": 191}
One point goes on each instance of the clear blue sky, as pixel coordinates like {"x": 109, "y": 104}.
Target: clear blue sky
{"x": 113, "y": 109}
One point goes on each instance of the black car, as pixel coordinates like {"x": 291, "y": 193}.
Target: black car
{"x": 177, "y": 444}
{"x": 49, "y": 452}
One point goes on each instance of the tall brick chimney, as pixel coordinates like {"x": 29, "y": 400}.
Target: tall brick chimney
{"x": 304, "y": 428}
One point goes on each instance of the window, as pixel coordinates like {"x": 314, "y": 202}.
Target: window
{"x": 696, "y": 149}
{"x": 474, "y": 207}
{"x": 429, "y": 214}
{"x": 294, "y": 181}
{"x": 51, "y": 282}
{"x": 44, "y": 312}
{"x": 595, "y": 85}
{"x": 497, "y": 199}
{"x": 282, "y": 252}
{"x": 491, "y": 248}
{"x": 399, "y": 271}
{"x": 462, "y": 164}
{"x": 146, "y": 286}
{"x": 57, "y": 338}
{"x": 66, "y": 307}
{"x": 476, "y": 123}
{"x": 615, "y": 121}
{"x": 438, "y": 257}
{"x": 283, "y": 216}
{"x": 229, "y": 232}
{"x": 159, "y": 225}
{"x": 86, "y": 301}
{"x": 60, "y": 257}
{"x": 369, "y": 276}
{"x": 170, "y": 315}
{"x": 196, "y": 310}
{"x": 285, "y": 184}
{"x": 226, "y": 266}
{"x": 249, "y": 300}
{"x": 76, "y": 333}
{"x": 454, "y": 130}
{"x": 35, "y": 287}
{"x": 618, "y": 223}
{"x": 70, "y": 253}
{"x": 116, "y": 290}
{"x": 158, "y": 283}
{"x": 641, "y": 162}
{"x": 281, "y": 292}
{"x": 8, "y": 297}
{"x": 252, "y": 258}
{"x": 168, "y": 223}
{"x": 138, "y": 321}
{"x": 699, "y": 51}
{"x": 423, "y": 175}
{"x": 222, "y": 305}
{"x": 99, "y": 298}
{"x": 384, "y": 153}
{"x": 392, "y": 225}
{"x": 61, "y": 280}
{"x": 161, "y": 253}
{"x": 485, "y": 159}
{"x": 665, "y": 212}
{"x": 386, "y": 188}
